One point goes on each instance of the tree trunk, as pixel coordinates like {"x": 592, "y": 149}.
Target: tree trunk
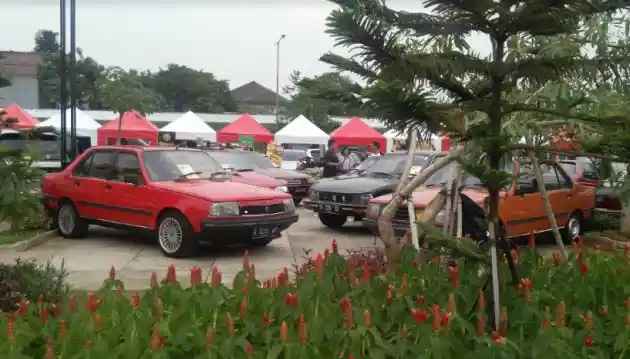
{"x": 118, "y": 133}
{"x": 385, "y": 228}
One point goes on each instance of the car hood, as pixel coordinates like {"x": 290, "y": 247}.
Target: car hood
{"x": 423, "y": 195}
{"x": 281, "y": 173}
{"x": 354, "y": 184}
{"x": 220, "y": 190}
{"x": 257, "y": 179}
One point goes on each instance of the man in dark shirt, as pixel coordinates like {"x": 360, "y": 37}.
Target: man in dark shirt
{"x": 331, "y": 160}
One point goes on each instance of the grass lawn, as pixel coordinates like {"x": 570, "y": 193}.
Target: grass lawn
{"x": 10, "y": 237}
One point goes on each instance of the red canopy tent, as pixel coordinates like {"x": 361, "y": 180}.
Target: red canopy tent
{"x": 134, "y": 125}
{"x": 357, "y": 133}
{"x": 244, "y": 126}
{"x": 22, "y": 118}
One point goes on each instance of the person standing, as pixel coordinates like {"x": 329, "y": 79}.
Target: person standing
{"x": 331, "y": 160}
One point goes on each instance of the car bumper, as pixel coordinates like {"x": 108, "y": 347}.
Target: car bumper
{"x": 299, "y": 191}
{"x": 356, "y": 210}
{"x": 400, "y": 229}
{"x": 244, "y": 230}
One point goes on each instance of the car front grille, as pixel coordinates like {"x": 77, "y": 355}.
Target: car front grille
{"x": 337, "y": 197}
{"x": 262, "y": 209}
{"x": 402, "y": 214}
{"x": 296, "y": 182}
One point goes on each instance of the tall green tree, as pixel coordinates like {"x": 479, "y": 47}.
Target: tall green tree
{"x": 184, "y": 89}
{"x": 123, "y": 91}
{"x": 420, "y": 71}
{"x": 306, "y": 99}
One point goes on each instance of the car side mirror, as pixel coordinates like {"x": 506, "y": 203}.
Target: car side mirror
{"x": 132, "y": 179}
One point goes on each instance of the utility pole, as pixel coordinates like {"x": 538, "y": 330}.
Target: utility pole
{"x": 63, "y": 98}
{"x": 282, "y": 37}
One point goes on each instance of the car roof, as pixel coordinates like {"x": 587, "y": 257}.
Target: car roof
{"x": 143, "y": 148}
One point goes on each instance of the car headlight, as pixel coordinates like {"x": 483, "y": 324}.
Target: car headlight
{"x": 373, "y": 210}
{"x": 440, "y": 218}
{"x": 365, "y": 198}
{"x": 283, "y": 189}
{"x": 313, "y": 195}
{"x": 289, "y": 205}
{"x": 224, "y": 209}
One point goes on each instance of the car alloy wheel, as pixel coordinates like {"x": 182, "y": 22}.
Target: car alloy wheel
{"x": 170, "y": 235}
{"x": 573, "y": 228}
{"x": 66, "y": 219}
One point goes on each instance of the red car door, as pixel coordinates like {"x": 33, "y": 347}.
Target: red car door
{"x": 130, "y": 199}
{"x": 90, "y": 182}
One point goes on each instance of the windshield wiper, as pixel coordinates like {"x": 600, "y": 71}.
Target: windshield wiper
{"x": 245, "y": 170}
{"x": 219, "y": 174}
{"x": 385, "y": 174}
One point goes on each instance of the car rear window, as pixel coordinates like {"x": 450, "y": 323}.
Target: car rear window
{"x": 569, "y": 167}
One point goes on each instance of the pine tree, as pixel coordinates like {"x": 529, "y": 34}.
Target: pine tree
{"x": 422, "y": 73}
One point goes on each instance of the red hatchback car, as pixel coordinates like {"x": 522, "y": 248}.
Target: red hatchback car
{"x": 181, "y": 195}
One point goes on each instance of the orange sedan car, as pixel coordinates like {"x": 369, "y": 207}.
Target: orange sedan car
{"x": 521, "y": 208}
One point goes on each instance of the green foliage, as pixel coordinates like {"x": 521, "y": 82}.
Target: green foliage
{"x": 342, "y": 309}
{"x": 32, "y": 281}
{"x": 124, "y": 91}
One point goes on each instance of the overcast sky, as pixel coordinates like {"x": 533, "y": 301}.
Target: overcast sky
{"x": 235, "y": 42}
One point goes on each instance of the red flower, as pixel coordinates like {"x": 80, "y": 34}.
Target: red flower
{"x": 250, "y": 349}
{"x": 497, "y": 338}
{"x": 366, "y": 273}
{"x": 583, "y": 269}
{"x": 626, "y": 250}
{"x": 112, "y": 273}
{"x": 444, "y": 320}
{"x": 195, "y": 276}
{"x": 454, "y": 276}
{"x": 266, "y": 320}
{"x": 243, "y": 309}
{"x": 335, "y": 248}
{"x": 435, "y": 312}
{"x": 291, "y": 300}
{"x": 171, "y": 277}
{"x": 23, "y": 308}
{"x": 326, "y": 253}
{"x": 319, "y": 266}
{"x": 419, "y": 315}
{"x": 246, "y": 261}
{"x": 588, "y": 341}
{"x": 154, "y": 281}
{"x": 344, "y": 303}
{"x": 420, "y": 300}
{"x": 390, "y": 293}
{"x": 414, "y": 263}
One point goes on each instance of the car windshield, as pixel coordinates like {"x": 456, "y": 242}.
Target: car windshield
{"x": 393, "y": 165}
{"x": 442, "y": 176}
{"x": 42, "y": 150}
{"x": 293, "y": 155}
{"x": 241, "y": 160}
{"x": 316, "y": 154}
{"x": 170, "y": 165}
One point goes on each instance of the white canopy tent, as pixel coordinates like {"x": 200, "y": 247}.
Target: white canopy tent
{"x": 190, "y": 127}
{"x": 301, "y": 131}
{"x": 86, "y": 125}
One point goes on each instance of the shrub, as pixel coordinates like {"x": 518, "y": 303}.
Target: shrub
{"x": 560, "y": 309}
{"x": 34, "y": 281}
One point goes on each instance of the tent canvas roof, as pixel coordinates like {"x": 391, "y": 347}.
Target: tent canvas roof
{"x": 302, "y": 131}
{"x": 84, "y": 122}
{"x": 134, "y": 125}
{"x": 244, "y": 126}
{"x": 357, "y": 133}
{"x": 190, "y": 126}
{"x": 24, "y": 120}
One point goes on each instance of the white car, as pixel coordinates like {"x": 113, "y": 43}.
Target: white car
{"x": 290, "y": 158}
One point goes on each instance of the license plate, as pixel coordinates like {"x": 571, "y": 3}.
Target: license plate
{"x": 264, "y": 232}
{"x": 300, "y": 190}
{"x": 329, "y": 208}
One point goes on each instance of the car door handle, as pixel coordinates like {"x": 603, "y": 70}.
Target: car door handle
{"x": 108, "y": 186}
{"x": 77, "y": 183}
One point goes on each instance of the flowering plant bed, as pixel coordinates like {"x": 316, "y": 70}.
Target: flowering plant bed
{"x": 343, "y": 308}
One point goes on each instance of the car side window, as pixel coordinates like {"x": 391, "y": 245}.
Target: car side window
{"x": 550, "y": 177}
{"x": 101, "y": 166}
{"x": 83, "y": 168}
{"x": 525, "y": 181}
{"x": 589, "y": 171}
{"x": 127, "y": 168}
{"x": 564, "y": 181}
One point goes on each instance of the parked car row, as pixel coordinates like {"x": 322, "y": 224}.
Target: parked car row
{"x": 363, "y": 194}
{"x": 181, "y": 196}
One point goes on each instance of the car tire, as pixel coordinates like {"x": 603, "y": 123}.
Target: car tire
{"x": 175, "y": 235}
{"x": 68, "y": 222}
{"x": 573, "y": 229}
{"x": 297, "y": 201}
{"x": 332, "y": 220}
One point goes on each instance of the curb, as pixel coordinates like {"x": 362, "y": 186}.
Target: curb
{"x": 32, "y": 242}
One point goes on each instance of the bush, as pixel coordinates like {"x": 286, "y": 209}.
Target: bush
{"x": 560, "y": 309}
{"x": 33, "y": 281}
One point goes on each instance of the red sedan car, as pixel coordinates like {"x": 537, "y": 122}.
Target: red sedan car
{"x": 181, "y": 195}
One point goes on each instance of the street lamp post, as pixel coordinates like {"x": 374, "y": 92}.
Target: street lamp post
{"x": 282, "y": 37}
{"x": 66, "y": 69}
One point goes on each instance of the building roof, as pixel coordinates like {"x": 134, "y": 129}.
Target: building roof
{"x": 254, "y": 93}
{"x": 167, "y": 117}
{"x": 15, "y": 63}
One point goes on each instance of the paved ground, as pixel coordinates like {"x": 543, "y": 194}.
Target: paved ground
{"x": 89, "y": 260}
